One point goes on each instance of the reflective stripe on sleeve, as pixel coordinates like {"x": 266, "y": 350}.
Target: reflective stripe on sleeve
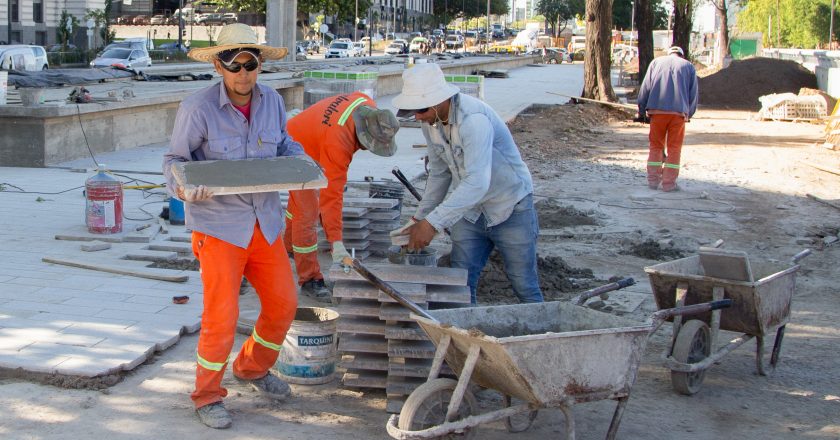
{"x": 349, "y": 110}
{"x": 263, "y": 342}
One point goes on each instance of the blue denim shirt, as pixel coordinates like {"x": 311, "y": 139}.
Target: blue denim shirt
{"x": 669, "y": 85}
{"x": 476, "y": 157}
{"x": 208, "y": 127}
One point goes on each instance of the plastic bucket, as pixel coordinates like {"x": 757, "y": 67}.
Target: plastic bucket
{"x": 176, "y": 211}
{"x": 309, "y": 353}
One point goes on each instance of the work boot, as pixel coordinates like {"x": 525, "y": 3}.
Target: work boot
{"x": 270, "y": 386}
{"x": 316, "y": 289}
{"x": 670, "y": 188}
{"x": 214, "y": 415}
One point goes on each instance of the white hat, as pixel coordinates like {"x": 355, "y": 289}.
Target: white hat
{"x": 423, "y": 86}
{"x": 677, "y": 50}
{"x": 236, "y": 36}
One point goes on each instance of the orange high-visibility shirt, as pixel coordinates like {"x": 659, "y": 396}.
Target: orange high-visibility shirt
{"x": 328, "y": 135}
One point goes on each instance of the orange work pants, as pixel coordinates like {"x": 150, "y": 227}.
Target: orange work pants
{"x": 665, "y": 130}
{"x": 267, "y": 268}
{"x": 300, "y": 237}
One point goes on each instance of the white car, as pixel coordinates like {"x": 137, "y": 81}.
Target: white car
{"x": 340, "y": 49}
{"x": 121, "y": 56}
{"x": 394, "y": 49}
{"x": 454, "y": 41}
{"x": 359, "y": 49}
{"x": 23, "y": 57}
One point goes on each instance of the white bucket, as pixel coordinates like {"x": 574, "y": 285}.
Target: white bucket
{"x": 31, "y": 96}
{"x": 4, "y": 80}
{"x": 310, "y": 351}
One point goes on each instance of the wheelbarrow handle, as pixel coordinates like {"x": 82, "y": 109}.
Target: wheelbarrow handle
{"x": 796, "y": 258}
{"x": 693, "y": 309}
{"x": 386, "y": 287}
{"x": 620, "y": 284}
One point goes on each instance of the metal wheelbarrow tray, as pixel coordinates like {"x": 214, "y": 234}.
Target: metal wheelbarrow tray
{"x": 549, "y": 355}
{"x": 758, "y": 307}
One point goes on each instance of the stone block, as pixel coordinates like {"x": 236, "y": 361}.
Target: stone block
{"x": 358, "y": 307}
{"x": 350, "y": 343}
{"x": 365, "y": 361}
{"x": 365, "y": 379}
{"x": 149, "y": 255}
{"x": 96, "y": 245}
{"x": 368, "y": 326}
{"x": 407, "y": 274}
{"x": 370, "y": 203}
{"x": 411, "y": 349}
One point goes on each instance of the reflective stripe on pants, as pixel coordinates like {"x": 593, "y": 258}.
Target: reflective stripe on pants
{"x": 666, "y": 130}
{"x": 300, "y": 236}
{"x": 267, "y": 268}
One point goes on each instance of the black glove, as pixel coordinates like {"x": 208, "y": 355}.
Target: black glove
{"x": 643, "y": 119}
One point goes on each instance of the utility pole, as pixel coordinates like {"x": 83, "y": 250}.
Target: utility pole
{"x": 632, "y": 19}
{"x": 356, "y": 23}
{"x": 181, "y": 25}
{"x": 831, "y": 27}
{"x": 487, "y": 36}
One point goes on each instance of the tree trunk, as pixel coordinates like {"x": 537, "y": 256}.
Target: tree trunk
{"x": 644, "y": 27}
{"x": 683, "y": 10}
{"x": 723, "y": 33}
{"x": 596, "y": 67}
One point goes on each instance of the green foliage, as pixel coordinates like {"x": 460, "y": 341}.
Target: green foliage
{"x": 804, "y": 23}
{"x": 62, "y": 33}
{"x": 560, "y": 10}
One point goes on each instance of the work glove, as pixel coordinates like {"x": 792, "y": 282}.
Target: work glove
{"x": 339, "y": 252}
{"x": 398, "y": 236}
{"x": 643, "y": 119}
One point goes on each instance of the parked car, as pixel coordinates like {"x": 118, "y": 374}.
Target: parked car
{"x": 415, "y": 44}
{"x": 124, "y": 57}
{"x": 140, "y": 19}
{"x": 402, "y": 42}
{"x": 339, "y": 49}
{"x": 173, "y": 47}
{"x": 552, "y": 55}
{"x": 158, "y": 20}
{"x": 359, "y": 49}
{"x": 394, "y": 49}
{"x": 230, "y": 17}
{"x": 23, "y": 57}
{"x": 59, "y": 48}
{"x": 454, "y": 41}
{"x": 213, "y": 19}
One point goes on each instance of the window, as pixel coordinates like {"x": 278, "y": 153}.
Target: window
{"x": 14, "y": 10}
{"x": 38, "y": 11}
{"x": 40, "y": 40}
{"x": 15, "y": 37}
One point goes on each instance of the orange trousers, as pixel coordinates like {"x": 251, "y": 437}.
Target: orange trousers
{"x": 222, "y": 264}
{"x": 300, "y": 237}
{"x": 666, "y": 130}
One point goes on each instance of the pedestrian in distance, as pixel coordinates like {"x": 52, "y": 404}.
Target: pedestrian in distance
{"x": 331, "y": 132}
{"x": 668, "y": 97}
{"x": 471, "y": 153}
{"x": 240, "y": 234}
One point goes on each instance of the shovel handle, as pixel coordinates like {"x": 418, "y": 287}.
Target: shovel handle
{"x": 620, "y": 284}
{"x": 796, "y": 258}
{"x": 692, "y": 309}
{"x": 386, "y": 287}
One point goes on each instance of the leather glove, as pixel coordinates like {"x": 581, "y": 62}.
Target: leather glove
{"x": 339, "y": 252}
{"x": 398, "y": 236}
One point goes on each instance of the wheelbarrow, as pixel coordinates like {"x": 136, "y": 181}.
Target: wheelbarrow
{"x": 758, "y": 307}
{"x": 547, "y": 355}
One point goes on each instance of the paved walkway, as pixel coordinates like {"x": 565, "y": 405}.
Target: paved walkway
{"x": 59, "y": 319}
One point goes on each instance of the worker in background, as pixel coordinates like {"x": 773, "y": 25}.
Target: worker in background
{"x": 473, "y": 155}
{"x": 331, "y": 132}
{"x": 236, "y": 235}
{"x": 668, "y": 96}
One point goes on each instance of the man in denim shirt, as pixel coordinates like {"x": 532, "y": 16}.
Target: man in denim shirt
{"x": 471, "y": 152}
{"x": 236, "y": 235}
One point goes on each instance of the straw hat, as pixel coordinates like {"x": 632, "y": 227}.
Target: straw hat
{"x": 376, "y": 130}
{"x": 233, "y": 36}
{"x": 423, "y": 86}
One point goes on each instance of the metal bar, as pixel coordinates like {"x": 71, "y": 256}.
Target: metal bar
{"x": 449, "y": 427}
{"x": 440, "y": 353}
{"x": 386, "y": 287}
{"x": 616, "y": 420}
{"x": 463, "y": 382}
{"x": 401, "y": 177}
{"x": 570, "y": 421}
{"x": 681, "y": 367}
{"x": 591, "y": 293}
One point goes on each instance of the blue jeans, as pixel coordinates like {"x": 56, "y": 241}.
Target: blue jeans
{"x": 516, "y": 239}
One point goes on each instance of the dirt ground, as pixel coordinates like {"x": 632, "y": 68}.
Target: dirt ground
{"x": 742, "y": 181}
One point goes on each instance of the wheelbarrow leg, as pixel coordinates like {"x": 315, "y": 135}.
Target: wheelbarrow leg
{"x": 463, "y": 382}
{"x": 679, "y": 301}
{"x": 616, "y": 420}
{"x": 570, "y": 421}
{"x": 440, "y": 353}
{"x": 774, "y": 355}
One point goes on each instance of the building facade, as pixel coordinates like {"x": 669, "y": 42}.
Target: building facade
{"x": 36, "y": 21}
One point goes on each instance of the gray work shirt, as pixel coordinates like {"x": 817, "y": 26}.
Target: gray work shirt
{"x": 475, "y": 156}
{"x": 208, "y": 127}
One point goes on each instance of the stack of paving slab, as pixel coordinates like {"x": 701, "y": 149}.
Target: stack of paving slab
{"x": 367, "y": 224}
{"x": 380, "y": 346}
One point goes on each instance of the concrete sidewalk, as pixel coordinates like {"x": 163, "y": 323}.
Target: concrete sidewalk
{"x": 59, "y": 319}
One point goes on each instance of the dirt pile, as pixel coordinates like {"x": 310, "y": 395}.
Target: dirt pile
{"x": 553, "y": 215}
{"x": 553, "y": 133}
{"x": 652, "y": 250}
{"x": 558, "y": 280}
{"x": 739, "y": 86}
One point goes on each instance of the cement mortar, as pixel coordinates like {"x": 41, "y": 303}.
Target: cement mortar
{"x": 652, "y": 251}
{"x": 558, "y": 281}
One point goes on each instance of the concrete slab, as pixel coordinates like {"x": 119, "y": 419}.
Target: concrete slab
{"x": 251, "y": 175}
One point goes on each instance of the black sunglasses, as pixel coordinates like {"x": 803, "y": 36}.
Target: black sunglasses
{"x": 235, "y": 67}
{"x": 421, "y": 110}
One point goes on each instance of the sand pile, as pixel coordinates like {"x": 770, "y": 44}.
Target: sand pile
{"x": 739, "y": 86}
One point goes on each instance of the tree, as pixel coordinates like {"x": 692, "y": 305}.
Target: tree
{"x": 644, "y": 18}
{"x": 596, "y": 66}
{"x": 723, "y": 32}
{"x": 683, "y": 12}
{"x": 67, "y": 26}
{"x": 797, "y": 23}
{"x": 560, "y": 11}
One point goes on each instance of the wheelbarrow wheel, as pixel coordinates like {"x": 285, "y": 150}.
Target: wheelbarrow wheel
{"x": 518, "y": 422}
{"x": 693, "y": 344}
{"x": 426, "y": 408}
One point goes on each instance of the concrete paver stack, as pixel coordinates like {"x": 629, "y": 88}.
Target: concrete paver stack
{"x": 381, "y": 347}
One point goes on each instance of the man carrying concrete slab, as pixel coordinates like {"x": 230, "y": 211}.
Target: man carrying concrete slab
{"x": 331, "y": 132}
{"x": 238, "y": 234}
{"x": 472, "y": 153}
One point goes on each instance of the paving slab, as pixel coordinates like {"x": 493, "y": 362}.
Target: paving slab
{"x": 407, "y": 274}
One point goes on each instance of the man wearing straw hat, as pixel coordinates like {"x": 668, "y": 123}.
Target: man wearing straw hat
{"x": 331, "y": 131}
{"x": 471, "y": 153}
{"x": 236, "y": 235}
